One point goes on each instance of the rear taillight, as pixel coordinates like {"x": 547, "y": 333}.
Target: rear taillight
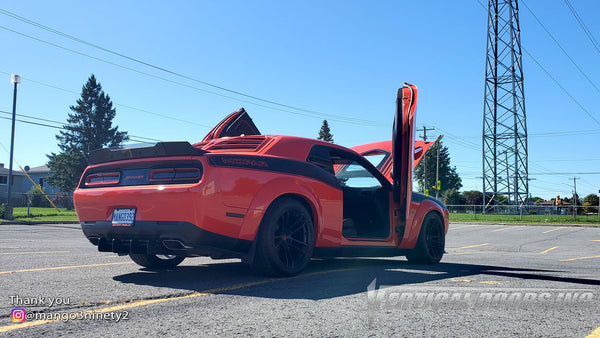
{"x": 175, "y": 175}
{"x": 101, "y": 179}
{"x": 159, "y": 174}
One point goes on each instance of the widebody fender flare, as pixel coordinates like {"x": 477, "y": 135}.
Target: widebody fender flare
{"x": 417, "y": 215}
{"x": 267, "y": 195}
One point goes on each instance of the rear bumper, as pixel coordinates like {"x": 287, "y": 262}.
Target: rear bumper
{"x": 165, "y": 238}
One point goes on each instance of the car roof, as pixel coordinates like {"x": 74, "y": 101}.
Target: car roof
{"x": 275, "y": 145}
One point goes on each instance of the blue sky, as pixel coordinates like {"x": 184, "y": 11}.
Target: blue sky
{"x": 341, "y": 60}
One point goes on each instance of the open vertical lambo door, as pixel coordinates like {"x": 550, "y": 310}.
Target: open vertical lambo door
{"x": 403, "y": 154}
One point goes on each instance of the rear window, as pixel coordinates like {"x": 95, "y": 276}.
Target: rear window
{"x": 376, "y": 157}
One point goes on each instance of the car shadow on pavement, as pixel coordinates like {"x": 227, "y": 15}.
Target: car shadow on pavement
{"x": 329, "y": 278}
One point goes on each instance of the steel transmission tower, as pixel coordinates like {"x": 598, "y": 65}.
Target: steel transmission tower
{"x": 505, "y": 168}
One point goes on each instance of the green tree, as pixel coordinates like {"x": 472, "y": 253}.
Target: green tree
{"x": 37, "y": 199}
{"x": 447, "y": 174}
{"x": 88, "y": 127}
{"x": 325, "y": 132}
{"x": 452, "y": 197}
{"x": 536, "y": 200}
{"x": 472, "y": 197}
{"x": 502, "y": 199}
{"x": 590, "y": 201}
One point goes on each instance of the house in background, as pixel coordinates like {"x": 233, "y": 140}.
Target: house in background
{"x": 22, "y": 184}
{"x": 550, "y": 208}
{"x": 17, "y": 188}
{"x": 39, "y": 175}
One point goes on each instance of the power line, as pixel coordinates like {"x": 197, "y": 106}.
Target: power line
{"x": 566, "y": 133}
{"x": 554, "y": 79}
{"x": 583, "y": 26}
{"x": 561, "y": 87}
{"x": 157, "y": 77}
{"x": 460, "y": 140}
{"x": 132, "y": 137}
{"x": 566, "y": 173}
{"x": 116, "y": 104}
{"x": 561, "y": 48}
{"x": 318, "y": 114}
{"x": 570, "y": 173}
{"x": 552, "y": 134}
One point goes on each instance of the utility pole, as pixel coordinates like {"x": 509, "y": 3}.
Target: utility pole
{"x": 437, "y": 171}
{"x": 574, "y": 195}
{"x": 8, "y": 211}
{"x": 438, "y": 185}
{"x": 425, "y": 186}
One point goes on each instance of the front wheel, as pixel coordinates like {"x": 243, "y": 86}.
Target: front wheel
{"x": 285, "y": 240}
{"x": 431, "y": 242}
{"x": 156, "y": 261}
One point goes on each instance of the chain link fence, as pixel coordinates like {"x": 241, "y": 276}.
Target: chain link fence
{"x": 60, "y": 200}
{"x": 526, "y": 210}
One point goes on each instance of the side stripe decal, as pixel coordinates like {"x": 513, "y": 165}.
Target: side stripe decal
{"x": 274, "y": 164}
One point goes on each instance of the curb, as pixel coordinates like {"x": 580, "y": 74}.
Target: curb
{"x": 572, "y": 225}
{"x": 36, "y": 222}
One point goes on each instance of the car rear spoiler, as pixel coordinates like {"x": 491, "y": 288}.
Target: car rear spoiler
{"x": 161, "y": 149}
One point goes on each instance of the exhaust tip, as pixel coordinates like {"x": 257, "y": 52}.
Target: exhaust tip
{"x": 175, "y": 244}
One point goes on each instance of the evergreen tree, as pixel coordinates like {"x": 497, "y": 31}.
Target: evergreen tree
{"x": 447, "y": 174}
{"x": 89, "y": 127}
{"x": 325, "y": 132}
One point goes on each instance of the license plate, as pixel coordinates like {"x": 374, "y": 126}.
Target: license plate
{"x": 123, "y": 217}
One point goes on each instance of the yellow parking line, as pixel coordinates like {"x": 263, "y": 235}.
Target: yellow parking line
{"x": 578, "y": 258}
{"x": 64, "y": 267}
{"x": 546, "y": 251}
{"x": 472, "y": 246}
{"x": 596, "y": 333}
{"x": 502, "y": 229}
{"x": 31, "y": 252}
{"x": 161, "y": 300}
{"x": 134, "y": 304}
{"x": 595, "y": 240}
{"x": 547, "y": 231}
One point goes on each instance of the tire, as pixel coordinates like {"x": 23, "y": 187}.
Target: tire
{"x": 285, "y": 240}
{"x": 431, "y": 242}
{"x": 156, "y": 261}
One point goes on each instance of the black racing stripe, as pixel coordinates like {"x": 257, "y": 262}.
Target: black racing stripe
{"x": 418, "y": 197}
{"x": 274, "y": 164}
{"x": 387, "y": 167}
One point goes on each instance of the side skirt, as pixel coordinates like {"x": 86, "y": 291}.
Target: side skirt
{"x": 358, "y": 251}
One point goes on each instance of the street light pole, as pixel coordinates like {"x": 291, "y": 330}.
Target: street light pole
{"x": 8, "y": 212}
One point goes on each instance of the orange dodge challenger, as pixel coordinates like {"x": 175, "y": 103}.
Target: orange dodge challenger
{"x": 274, "y": 201}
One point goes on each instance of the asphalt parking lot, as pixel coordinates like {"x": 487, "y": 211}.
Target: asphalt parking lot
{"x": 495, "y": 280}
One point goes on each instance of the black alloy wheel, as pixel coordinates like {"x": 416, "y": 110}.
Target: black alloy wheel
{"x": 285, "y": 240}
{"x": 431, "y": 243}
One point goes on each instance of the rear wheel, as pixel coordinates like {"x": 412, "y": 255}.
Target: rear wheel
{"x": 431, "y": 242}
{"x": 156, "y": 261}
{"x": 285, "y": 240}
